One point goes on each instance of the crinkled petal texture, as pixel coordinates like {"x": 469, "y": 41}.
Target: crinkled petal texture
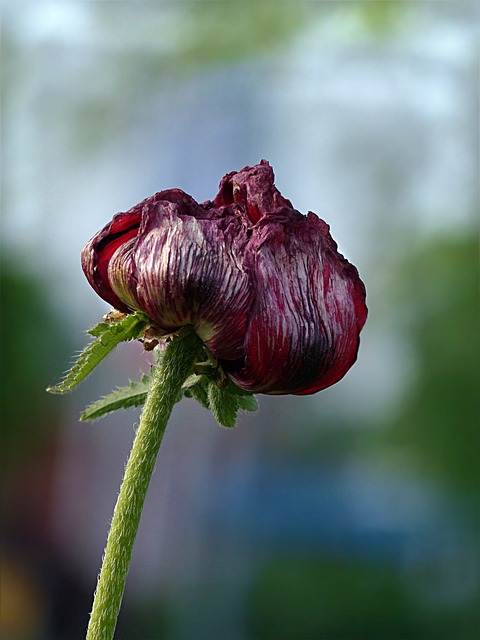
{"x": 308, "y": 308}
{"x": 262, "y": 284}
{"x": 179, "y": 264}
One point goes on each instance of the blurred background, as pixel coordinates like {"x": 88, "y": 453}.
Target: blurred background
{"x": 348, "y": 515}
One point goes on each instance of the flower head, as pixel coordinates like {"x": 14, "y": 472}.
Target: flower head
{"x": 263, "y": 285}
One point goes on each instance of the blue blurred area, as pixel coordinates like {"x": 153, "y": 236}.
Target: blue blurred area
{"x": 351, "y": 514}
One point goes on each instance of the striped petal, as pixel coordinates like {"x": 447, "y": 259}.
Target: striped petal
{"x": 308, "y": 309}
{"x": 263, "y": 285}
{"x": 181, "y": 266}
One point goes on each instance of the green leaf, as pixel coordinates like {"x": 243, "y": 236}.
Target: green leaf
{"x": 223, "y": 404}
{"x": 247, "y": 403}
{"x": 199, "y": 391}
{"x": 108, "y": 335}
{"x": 99, "y": 329}
{"x": 122, "y": 398}
{"x": 245, "y": 399}
{"x": 223, "y": 401}
{"x": 192, "y": 380}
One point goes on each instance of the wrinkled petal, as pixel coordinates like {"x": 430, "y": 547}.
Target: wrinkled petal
{"x": 97, "y": 253}
{"x": 180, "y": 269}
{"x": 254, "y": 189}
{"x": 308, "y": 310}
{"x": 263, "y": 285}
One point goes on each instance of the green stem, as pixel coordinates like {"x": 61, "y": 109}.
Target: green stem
{"x": 167, "y": 380}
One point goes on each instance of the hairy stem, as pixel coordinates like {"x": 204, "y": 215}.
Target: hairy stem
{"x": 167, "y": 380}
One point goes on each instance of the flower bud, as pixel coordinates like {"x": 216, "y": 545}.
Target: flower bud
{"x": 263, "y": 285}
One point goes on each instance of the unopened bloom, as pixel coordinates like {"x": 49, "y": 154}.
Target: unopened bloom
{"x": 263, "y": 285}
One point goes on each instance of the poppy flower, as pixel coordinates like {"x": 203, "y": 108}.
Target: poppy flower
{"x": 262, "y": 284}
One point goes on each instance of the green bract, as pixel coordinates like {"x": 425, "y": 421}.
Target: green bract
{"x": 206, "y": 383}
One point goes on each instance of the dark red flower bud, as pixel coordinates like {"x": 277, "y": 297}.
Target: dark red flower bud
{"x": 263, "y": 285}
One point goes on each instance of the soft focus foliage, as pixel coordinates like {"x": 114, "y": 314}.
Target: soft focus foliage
{"x": 33, "y": 346}
{"x": 438, "y": 418}
{"x": 342, "y": 600}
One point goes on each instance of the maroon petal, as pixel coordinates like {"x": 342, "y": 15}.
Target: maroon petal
{"x": 182, "y": 270}
{"x": 97, "y": 253}
{"x": 263, "y": 285}
{"x": 254, "y": 188}
{"x": 308, "y": 310}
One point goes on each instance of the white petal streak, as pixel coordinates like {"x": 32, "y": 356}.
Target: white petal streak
{"x": 188, "y": 275}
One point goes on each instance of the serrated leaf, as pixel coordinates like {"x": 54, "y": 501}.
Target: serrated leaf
{"x": 98, "y": 329}
{"x": 223, "y": 404}
{"x": 247, "y": 403}
{"x": 245, "y": 399}
{"x": 199, "y": 392}
{"x": 191, "y": 381}
{"x": 223, "y": 401}
{"x": 122, "y": 398}
{"x": 108, "y": 335}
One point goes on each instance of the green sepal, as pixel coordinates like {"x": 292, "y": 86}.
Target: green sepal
{"x": 223, "y": 401}
{"x": 226, "y": 399}
{"x": 122, "y": 398}
{"x": 223, "y": 405}
{"x": 206, "y": 384}
{"x": 199, "y": 392}
{"x": 108, "y": 335}
{"x": 192, "y": 381}
{"x": 247, "y": 402}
